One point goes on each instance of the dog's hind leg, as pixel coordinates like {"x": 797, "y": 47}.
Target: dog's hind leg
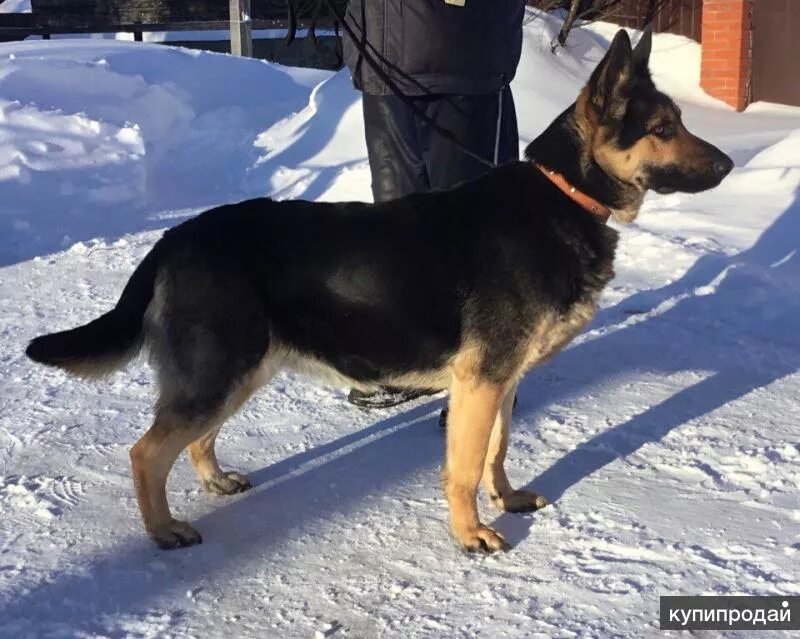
{"x": 495, "y": 479}
{"x": 214, "y": 479}
{"x": 174, "y": 429}
{"x": 209, "y": 335}
{"x": 152, "y": 458}
{"x": 202, "y": 451}
{"x": 494, "y": 475}
{"x": 474, "y": 403}
{"x": 155, "y": 453}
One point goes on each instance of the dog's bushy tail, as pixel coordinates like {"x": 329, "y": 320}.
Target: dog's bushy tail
{"x": 109, "y": 342}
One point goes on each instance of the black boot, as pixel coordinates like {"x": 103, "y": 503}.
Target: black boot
{"x": 386, "y": 396}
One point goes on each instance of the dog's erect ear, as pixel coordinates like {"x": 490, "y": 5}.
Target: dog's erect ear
{"x": 641, "y": 54}
{"x": 610, "y": 83}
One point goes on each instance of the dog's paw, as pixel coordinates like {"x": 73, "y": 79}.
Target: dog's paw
{"x": 520, "y": 501}
{"x": 481, "y": 538}
{"x": 227, "y": 483}
{"x": 176, "y": 534}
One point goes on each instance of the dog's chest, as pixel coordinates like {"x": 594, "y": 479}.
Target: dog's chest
{"x": 554, "y": 331}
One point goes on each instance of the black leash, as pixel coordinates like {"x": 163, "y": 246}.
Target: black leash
{"x": 376, "y": 67}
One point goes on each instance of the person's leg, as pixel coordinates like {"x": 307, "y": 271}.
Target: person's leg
{"x": 397, "y": 169}
{"x": 406, "y": 156}
{"x": 395, "y": 159}
{"x": 486, "y": 124}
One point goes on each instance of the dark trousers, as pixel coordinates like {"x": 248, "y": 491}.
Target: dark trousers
{"x": 407, "y": 156}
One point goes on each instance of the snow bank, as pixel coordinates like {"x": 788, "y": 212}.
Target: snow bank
{"x": 98, "y": 135}
{"x": 15, "y": 6}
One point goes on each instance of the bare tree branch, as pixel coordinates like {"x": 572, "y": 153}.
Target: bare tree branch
{"x": 582, "y": 12}
{"x": 566, "y": 26}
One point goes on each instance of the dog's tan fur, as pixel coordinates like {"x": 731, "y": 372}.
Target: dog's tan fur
{"x": 628, "y": 164}
{"x": 474, "y": 405}
{"x": 152, "y": 458}
{"x": 598, "y": 146}
{"x": 478, "y": 426}
{"x": 495, "y": 480}
{"x": 555, "y": 332}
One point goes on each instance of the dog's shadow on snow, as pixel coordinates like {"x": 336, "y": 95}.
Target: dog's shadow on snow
{"x": 287, "y": 499}
{"x": 717, "y": 291}
{"x": 333, "y": 479}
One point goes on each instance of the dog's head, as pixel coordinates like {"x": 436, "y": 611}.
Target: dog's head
{"x": 634, "y": 135}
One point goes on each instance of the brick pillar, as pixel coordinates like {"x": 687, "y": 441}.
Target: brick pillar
{"x": 727, "y": 32}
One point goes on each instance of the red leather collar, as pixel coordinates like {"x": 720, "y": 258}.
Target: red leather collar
{"x": 586, "y": 202}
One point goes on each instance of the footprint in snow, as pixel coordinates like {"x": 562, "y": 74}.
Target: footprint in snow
{"x": 46, "y": 497}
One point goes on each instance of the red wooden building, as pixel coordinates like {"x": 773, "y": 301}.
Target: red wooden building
{"x": 750, "y": 48}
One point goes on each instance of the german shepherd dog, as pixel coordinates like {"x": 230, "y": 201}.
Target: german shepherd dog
{"x": 464, "y": 289}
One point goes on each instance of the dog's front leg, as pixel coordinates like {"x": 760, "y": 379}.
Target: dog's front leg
{"x": 474, "y": 403}
{"x": 495, "y": 480}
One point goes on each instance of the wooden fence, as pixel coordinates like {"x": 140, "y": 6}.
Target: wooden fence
{"x": 675, "y": 16}
{"x": 136, "y": 16}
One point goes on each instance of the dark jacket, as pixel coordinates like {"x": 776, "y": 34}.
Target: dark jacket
{"x": 448, "y": 49}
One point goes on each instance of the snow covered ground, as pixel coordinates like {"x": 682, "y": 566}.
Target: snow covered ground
{"x": 666, "y": 435}
{"x": 15, "y": 6}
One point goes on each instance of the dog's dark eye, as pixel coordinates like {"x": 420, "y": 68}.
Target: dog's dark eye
{"x": 661, "y": 130}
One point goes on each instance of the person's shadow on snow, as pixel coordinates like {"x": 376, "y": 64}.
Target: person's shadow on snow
{"x": 316, "y": 485}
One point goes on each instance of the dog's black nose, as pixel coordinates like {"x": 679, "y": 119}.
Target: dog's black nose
{"x": 723, "y": 167}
